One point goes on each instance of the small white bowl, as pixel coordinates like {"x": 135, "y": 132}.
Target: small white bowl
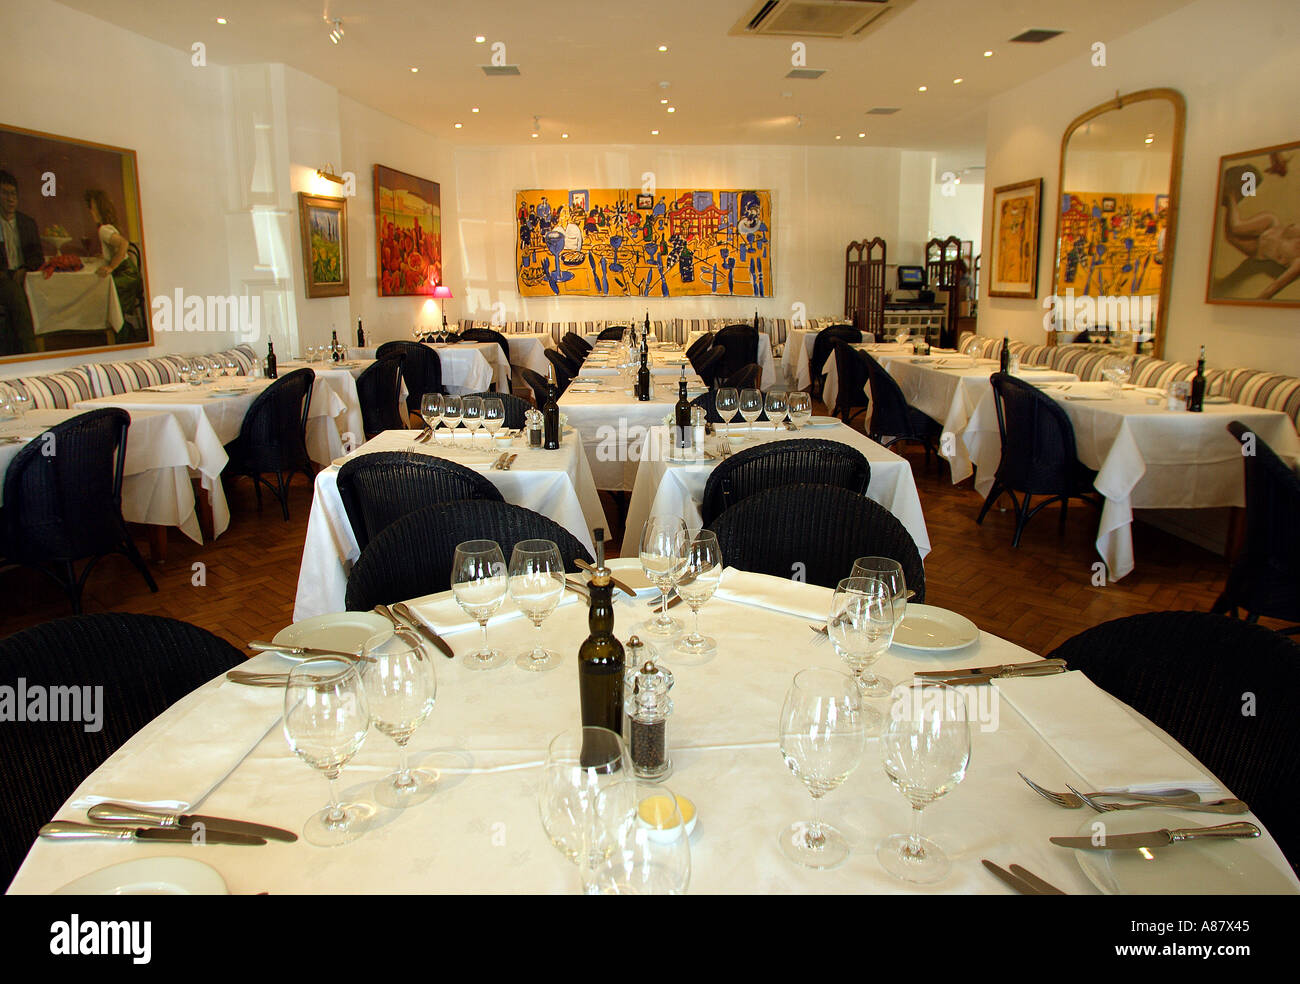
{"x": 646, "y": 817}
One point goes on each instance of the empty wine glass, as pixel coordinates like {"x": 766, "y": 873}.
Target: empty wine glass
{"x": 431, "y": 405}
{"x": 925, "y": 748}
{"x": 698, "y": 582}
{"x": 400, "y": 689}
{"x": 186, "y": 371}
{"x": 821, "y": 736}
{"x": 799, "y": 404}
{"x": 20, "y": 401}
{"x": 861, "y": 626}
{"x": 494, "y": 414}
{"x": 751, "y": 405}
{"x": 537, "y": 585}
{"x": 891, "y": 572}
{"x": 645, "y": 846}
{"x": 451, "y": 407}
{"x": 663, "y": 553}
{"x": 580, "y": 764}
{"x": 478, "y": 581}
{"x": 727, "y": 402}
{"x": 471, "y": 415}
{"x": 774, "y": 405}
{"x": 325, "y": 723}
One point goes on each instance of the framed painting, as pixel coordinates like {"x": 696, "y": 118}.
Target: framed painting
{"x": 1255, "y": 240}
{"x": 324, "y": 222}
{"x": 73, "y": 276}
{"x": 1017, "y": 217}
{"x": 408, "y": 231}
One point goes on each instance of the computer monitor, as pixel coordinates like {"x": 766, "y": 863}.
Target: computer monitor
{"x": 911, "y": 278}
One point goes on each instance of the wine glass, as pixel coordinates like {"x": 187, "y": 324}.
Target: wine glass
{"x": 400, "y": 689}
{"x": 663, "y": 552}
{"x": 700, "y": 578}
{"x": 471, "y": 415}
{"x": 20, "y": 401}
{"x": 822, "y": 735}
{"x": 311, "y": 354}
{"x": 774, "y": 404}
{"x": 494, "y": 414}
{"x": 799, "y": 404}
{"x": 478, "y": 581}
{"x": 727, "y": 402}
{"x": 186, "y": 371}
{"x": 537, "y": 585}
{"x": 861, "y": 626}
{"x": 645, "y": 845}
{"x": 431, "y": 405}
{"x": 891, "y": 572}
{"x": 451, "y": 407}
{"x": 751, "y": 405}
{"x": 325, "y": 723}
{"x": 925, "y": 748}
{"x": 580, "y": 764}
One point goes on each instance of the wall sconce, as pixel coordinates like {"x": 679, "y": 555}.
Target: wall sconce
{"x": 326, "y": 173}
{"x": 443, "y": 293}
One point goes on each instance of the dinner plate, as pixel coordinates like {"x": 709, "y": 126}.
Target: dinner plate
{"x": 629, "y": 571}
{"x": 934, "y": 630}
{"x": 822, "y": 422}
{"x": 1201, "y": 867}
{"x": 341, "y": 630}
{"x": 1218, "y": 400}
{"x": 150, "y": 876}
{"x": 228, "y": 392}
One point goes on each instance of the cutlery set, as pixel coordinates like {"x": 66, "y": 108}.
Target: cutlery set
{"x": 504, "y": 461}
{"x": 119, "y": 821}
{"x": 986, "y": 674}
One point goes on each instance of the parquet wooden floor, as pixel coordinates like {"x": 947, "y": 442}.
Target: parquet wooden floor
{"x": 1037, "y": 596}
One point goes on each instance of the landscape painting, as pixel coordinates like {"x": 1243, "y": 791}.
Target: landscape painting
{"x": 324, "y": 230}
{"x": 408, "y": 227}
{"x": 624, "y": 242}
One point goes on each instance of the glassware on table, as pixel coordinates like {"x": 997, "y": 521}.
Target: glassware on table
{"x": 581, "y": 763}
{"x": 19, "y": 401}
{"x": 861, "y": 627}
{"x": 751, "y": 405}
{"x": 726, "y": 401}
{"x": 494, "y": 415}
{"x": 925, "y": 749}
{"x": 644, "y": 845}
{"x": 663, "y": 552}
{"x": 401, "y": 688}
{"x": 471, "y": 415}
{"x": 699, "y": 580}
{"x": 325, "y": 722}
{"x": 822, "y": 734}
{"x": 891, "y": 572}
{"x": 7, "y": 411}
{"x": 799, "y": 406}
{"x": 451, "y": 408}
{"x": 973, "y": 349}
{"x": 1179, "y": 392}
{"x": 774, "y": 406}
{"x": 537, "y": 585}
{"x": 185, "y": 371}
{"x": 479, "y": 584}
{"x": 431, "y": 405}
{"x": 309, "y": 353}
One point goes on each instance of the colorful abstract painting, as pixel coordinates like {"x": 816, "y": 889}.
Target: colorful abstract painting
{"x": 1112, "y": 245}
{"x": 1016, "y": 213}
{"x": 603, "y": 242}
{"x": 408, "y": 227}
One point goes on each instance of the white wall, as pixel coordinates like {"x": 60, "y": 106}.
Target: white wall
{"x": 1238, "y": 67}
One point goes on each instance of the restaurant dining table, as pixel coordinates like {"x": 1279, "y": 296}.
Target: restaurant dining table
{"x": 1146, "y": 455}
{"x": 669, "y": 488}
{"x": 557, "y": 484}
{"x": 328, "y": 438}
{"x": 467, "y": 367}
{"x": 73, "y": 300}
{"x": 222, "y": 749}
{"x": 156, "y": 485}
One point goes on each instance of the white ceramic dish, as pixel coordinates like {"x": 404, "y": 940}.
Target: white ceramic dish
{"x": 150, "y": 876}
{"x": 934, "y": 630}
{"x": 341, "y": 630}
{"x": 822, "y": 422}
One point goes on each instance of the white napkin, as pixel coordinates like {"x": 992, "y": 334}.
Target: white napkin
{"x": 444, "y": 613}
{"x": 191, "y": 755}
{"x": 1098, "y": 737}
{"x": 776, "y": 594}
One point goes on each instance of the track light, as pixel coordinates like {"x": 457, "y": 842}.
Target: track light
{"x": 336, "y": 30}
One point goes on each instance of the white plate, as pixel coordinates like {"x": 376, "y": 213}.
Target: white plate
{"x": 1220, "y": 867}
{"x": 1217, "y": 400}
{"x": 629, "y": 571}
{"x": 342, "y": 630}
{"x": 934, "y": 630}
{"x": 822, "y": 422}
{"x": 150, "y": 876}
{"x": 228, "y": 392}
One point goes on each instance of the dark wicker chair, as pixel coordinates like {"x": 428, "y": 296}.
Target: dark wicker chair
{"x": 700, "y": 346}
{"x": 379, "y": 391}
{"x": 815, "y": 530}
{"x": 893, "y": 419}
{"x": 779, "y": 463}
{"x": 421, "y": 370}
{"x": 144, "y": 663}
{"x": 709, "y": 364}
{"x": 579, "y": 345}
{"x": 851, "y": 398}
{"x": 1189, "y": 673}
{"x": 273, "y": 438}
{"x": 565, "y": 369}
{"x": 612, "y": 332}
{"x": 63, "y": 500}
{"x": 571, "y": 348}
{"x": 1038, "y": 453}
{"x": 515, "y": 407}
{"x": 744, "y": 378}
{"x": 741, "y": 345}
{"x": 413, "y": 556}
{"x": 824, "y": 345}
{"x": 537, "y": 383}
{"x": 1265, "y": 578}
{"x": 487, "y": 335}
{"x": 379, "y": 489}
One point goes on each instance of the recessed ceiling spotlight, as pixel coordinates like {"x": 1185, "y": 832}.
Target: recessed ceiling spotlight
{"x": 861, "y": 135}
{"x": 958, "y": 81}
{"x": 663, "y": 102}
{"x": 535, "y": 136}
{"x": 923, "y": 88}
{"x": 663, "y": 47}
{"x": 414, "y": 69}
{"x": 564, "y": 136}
{"x": 672, "y": 109}
{"x": 479, "y": 39}
{"x": 221, "y": 20}
{"x": 988, "y": 54}
{"x": 654, "y": 133}
{"x": 474, "y": 109}
{"x": 838, "y": 137}
{"x": 1150, "y": 138}
{"x": 458, "y": 125}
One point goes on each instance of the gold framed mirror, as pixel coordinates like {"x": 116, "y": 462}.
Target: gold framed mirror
{"x": 1117, "y": 220}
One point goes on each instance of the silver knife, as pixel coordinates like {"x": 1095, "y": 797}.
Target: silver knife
{"x": 509, "y": 461}
{"x": 590, "y": 569}
{"x": 1025, "y": 671}
{"x": 1044, "y": 888}
{"x": 120, "y": 814}
{"x": 259, "y": 646}
{"x": 403, "y": 611}
{"x": 1021, "y": 885}
{"x": 70, "y": 830}
{"x": 1157, "y": 838}
{"x": 989, "y": 670}
{"x": 499, "y": 464}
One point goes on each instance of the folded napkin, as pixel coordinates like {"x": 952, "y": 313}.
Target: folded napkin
{"x": 190, "y": 755}
{"x": 444, "y": 613}
{"x": 778, "y": 594}
{"x": 1098, "y": 737}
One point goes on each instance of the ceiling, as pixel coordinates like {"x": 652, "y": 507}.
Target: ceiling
{"x": 593, "y": 70}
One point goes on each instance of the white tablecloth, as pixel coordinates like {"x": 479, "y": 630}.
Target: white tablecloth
{"x": 467, "y": 367}
{"x": 156, "y": 486}
{"x": 1147, "y": 457}
{"x": 557, "y": 484}
{"x": 480, "y": 831}
{"x": 528, "y": 350}
{"x": 330, "y": 436}
{"x": 73, "y": 301}
{"x": 666, "y": 489}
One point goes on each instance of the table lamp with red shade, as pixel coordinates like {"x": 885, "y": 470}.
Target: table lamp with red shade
{"x": 443, "y": 293}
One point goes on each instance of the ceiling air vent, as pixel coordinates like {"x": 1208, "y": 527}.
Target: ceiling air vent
{"x": 500, "y": 69}
{"x": 1036, "y": 35}
{"x": 882, "y": 111}
{"x": 805, "y": 73}
{"x": 836, "y": 19}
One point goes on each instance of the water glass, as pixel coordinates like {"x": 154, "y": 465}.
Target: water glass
{"x": 799, "y": 405}
{"x": 698, "y": 582}
{"x": 774, "y": 404}
{"x": 451, "y": 408}
{"x": 431, "y": 406}
{"x": 751, "y": 405}
{"x": 401, "y": 688}
{"x": 891, "y": 572}
{"x": 537, "y": 585}
{"x": 581, "y": 763}
{"x": 478, "y": 582}
{"x": 471, "y": 415}
{"x": 494, "y": 414}
{"x": 726, "y": 401}
{"x": 645, "y": 848}
{"x": 861, "y": 627}
{"x": 663, "y": 552}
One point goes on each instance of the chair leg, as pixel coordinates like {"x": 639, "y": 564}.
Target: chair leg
{"x": 282, "y": 493}
{"x": 1022, "y": 517}
{"x": 993, "y": 496}
{"x": 257, "y": 489}
{"x": 72, "y": 586}
{"x": 133, "y": 555}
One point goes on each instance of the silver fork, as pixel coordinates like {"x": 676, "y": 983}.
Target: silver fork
{"x": 1073, "y": 801}
{"x": 1217, "y": 806}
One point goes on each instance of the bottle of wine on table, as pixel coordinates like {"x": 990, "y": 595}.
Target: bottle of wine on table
{"x": 600, "y": 657}
{"x": 1196, "y": 399}
{"x": 270, "y": 360}
{"x": 643, "y": 386}
{"x": 361, "y": 335}
{"x": 1004, "y": 360}
{"x": 335, "y": 354}
{"x": 682, "y": 414}
{"x": 551, "y": 415}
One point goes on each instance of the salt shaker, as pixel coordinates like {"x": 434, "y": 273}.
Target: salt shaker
{"x": 533, "y": 422}
{"x": 697, "y": 427}
{"x": 648, "y": 720}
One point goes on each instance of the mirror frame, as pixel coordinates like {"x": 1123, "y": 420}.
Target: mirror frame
{"x": 1175, "y": 186}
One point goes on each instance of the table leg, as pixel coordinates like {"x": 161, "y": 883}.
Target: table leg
{"x": 157, "y": 543}
{"x": 203, "y": 506}
{"x": 1236, "y": 533}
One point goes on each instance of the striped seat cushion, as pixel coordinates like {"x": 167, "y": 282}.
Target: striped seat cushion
{"x": 1083, "y": 361}
{"x": 1036, "y": 355}
{"x": 243, "y": 359}
{"x": 964, "y": 339}
{"x": 57, "y": 391}
{"x": 1158, "y": 373}
{"x": 1267, "y": 390}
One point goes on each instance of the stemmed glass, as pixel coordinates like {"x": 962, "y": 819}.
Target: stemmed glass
{"x": 822, "y": 735}
{"x": 645, "y": 848}
{"x": 774, "y": 404}
{"x": 478, "y": 581}
{"x": 431, "y": 406}
{"x": 581, "y": 763}
{"x": 325, "y": 723}
{"x": 186, "y": 372}
{"x": 536, "y": 585}
{"x": 664, "y": 549}
{"x": 799, "y": 404}
{"x": 471, "y": 415}
{"x": 751, "y": 405}
{"x": 727, "y": 402}
{"x": 400, "y": 688}
{"x": 451, "y": 408}
{"x": 891, "y": 572}
{"x": 925, "y": 748}
{"x": 20, "y": 401}
{"x": 494, "y": 414}
{"x": 861, "y": 626}
{"x": 700, "y": 578}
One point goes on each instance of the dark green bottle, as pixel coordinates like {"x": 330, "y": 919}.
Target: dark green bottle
{"x": 600, "y": 657}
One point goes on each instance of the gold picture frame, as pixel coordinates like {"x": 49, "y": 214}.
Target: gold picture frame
{"x": 1017, "y": 229}
{"x": 323, "y": 224}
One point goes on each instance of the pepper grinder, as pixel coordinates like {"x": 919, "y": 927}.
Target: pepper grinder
{"x": 648, "y": 718}
{"x": 533, "y": 424}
